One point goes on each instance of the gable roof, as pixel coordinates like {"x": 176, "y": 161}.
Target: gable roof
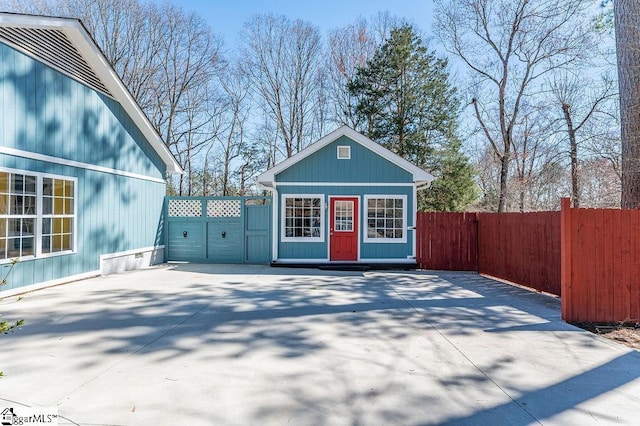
{"x": 420, "y": 177}
{"x": 65, "y": 45}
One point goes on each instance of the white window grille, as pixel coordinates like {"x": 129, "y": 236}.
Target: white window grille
{"x": 386, "y": 218}
{"x": 303, "y": 218}
{"x": 37, "y": 214}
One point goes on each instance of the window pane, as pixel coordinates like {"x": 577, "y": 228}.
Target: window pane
{"x": 46, "y": 225}
{"x": 46, "y": 244}
{"x": 68, "y": 188}
{"x": 3, "y": 248}
{"x": 13, "y": 247}
{"x": 28, "y": 226}
{"x": 4, "y": 203}
{"x": 14, "y": 227}
{"x": 18, "y": 184}
{"x": 27, "y": 246}
{"x": 68, "y": 206}
{"x": 57, "y": 243}
{"x": 47, "y": 186}
{"x": 66, "y": 225}
{"x": 4, "y": 182}
{"x": 29, "y": 205}
{"x": 17, "y": 202}
{"x": 66, "y": 242}
{"x": 47, "y": 205}
{"x": 30, "y": 185}
{"x": 58, "y": 188}
{"x": 58, "y": 206}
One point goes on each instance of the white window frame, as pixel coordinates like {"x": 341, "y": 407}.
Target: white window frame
{"x": 348, "y": 148}
{"x": 283, "y": 218}
{"x": 365, "y": 219}
{"x": 37, "y": 234}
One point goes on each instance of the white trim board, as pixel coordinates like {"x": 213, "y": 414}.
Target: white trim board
{"x": 38, "y": 286}
{"x": 71, "y": 278}
{"x": 130, "y": 252}
{"x": 57, "y": 160}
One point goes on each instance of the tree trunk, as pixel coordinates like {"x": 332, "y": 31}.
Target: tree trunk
{"x": 627, "y": 25}
{"x": 504, "y": 176}
{"x": 573, "y": 144}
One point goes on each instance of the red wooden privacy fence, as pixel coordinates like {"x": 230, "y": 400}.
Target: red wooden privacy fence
{"x": 591, "y": 257}
{"x": 447, "y": 241}
{"x": 520, "y": 247}
{"x": 523, "y": 248}
{"x": 600, "y": 265}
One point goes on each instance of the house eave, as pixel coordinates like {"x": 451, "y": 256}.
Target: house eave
{"x": 418, "y": 174}
{"x": 91, "y": 53}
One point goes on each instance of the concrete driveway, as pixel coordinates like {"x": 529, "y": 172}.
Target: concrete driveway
{"x": 226, "y": 345}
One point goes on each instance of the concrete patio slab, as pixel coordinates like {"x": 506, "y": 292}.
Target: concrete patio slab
{"x": 240, "y": 345}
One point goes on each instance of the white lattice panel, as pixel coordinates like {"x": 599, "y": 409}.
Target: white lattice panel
{"x": 223, "y": 208}
{"x": 185, "y": 208}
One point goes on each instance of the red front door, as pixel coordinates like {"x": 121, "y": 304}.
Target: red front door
{"x": 343, "y": 230}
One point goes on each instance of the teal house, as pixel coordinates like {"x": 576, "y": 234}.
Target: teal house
{"x": 82, "y": 170}
{"x": 344, "y": 199}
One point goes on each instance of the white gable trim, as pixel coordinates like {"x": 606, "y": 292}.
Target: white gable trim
{"x": 79, "y": 36}
{"x": 420, "y": 177}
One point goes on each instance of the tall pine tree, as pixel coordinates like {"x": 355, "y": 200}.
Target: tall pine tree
{"x": 406, "y": 103}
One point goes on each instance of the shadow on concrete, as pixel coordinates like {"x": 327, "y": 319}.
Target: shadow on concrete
{"x": 242, "y": 311}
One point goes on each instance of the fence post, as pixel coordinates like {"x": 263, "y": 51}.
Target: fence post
{"x": 565, "y": 260}
{"x": 476, "y": 227}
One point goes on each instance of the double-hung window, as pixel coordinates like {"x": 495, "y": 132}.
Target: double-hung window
{"x": 303, "y": 218}
{"x": 37, "y": 214}
{"x": 386, "y": 218}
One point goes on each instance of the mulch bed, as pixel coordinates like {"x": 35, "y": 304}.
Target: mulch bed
{"x": 627, "y": 334}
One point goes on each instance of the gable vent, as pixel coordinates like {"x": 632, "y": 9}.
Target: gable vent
{"x": 54, "y": 48}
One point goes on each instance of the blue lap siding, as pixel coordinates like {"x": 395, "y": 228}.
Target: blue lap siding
{"x": 365, "y": 173}
{"x": 45, "y": 112}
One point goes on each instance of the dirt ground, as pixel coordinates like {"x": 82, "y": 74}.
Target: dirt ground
{"x": 627, "y": 334}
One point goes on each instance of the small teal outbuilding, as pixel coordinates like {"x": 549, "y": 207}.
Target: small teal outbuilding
{"x": 82, "y": 170}
{"x": 344, "y": 199}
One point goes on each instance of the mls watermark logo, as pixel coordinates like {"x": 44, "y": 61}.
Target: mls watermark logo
{"x": 29, "y": 416}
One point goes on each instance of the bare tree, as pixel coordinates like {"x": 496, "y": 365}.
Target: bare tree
{"x": 581, "y": 100}
{"x": 232, "y": 139}
{"x": 508, "y": 46}
{"x": 600, "y": 184}
{"x": 627, "y": 28}
{"x": 282, "y": 58}
{"x": 533, "y": 151}
{"x": 188, "y": 60}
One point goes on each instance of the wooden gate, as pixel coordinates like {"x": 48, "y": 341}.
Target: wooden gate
{"x": 218, "y": 229}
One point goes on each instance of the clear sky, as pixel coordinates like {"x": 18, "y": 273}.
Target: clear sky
{"x": 226, "y": 17}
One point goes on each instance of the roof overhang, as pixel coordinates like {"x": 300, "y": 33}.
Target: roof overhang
{"x": 421, "y": 178}
{"x": 95, "y": 59}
